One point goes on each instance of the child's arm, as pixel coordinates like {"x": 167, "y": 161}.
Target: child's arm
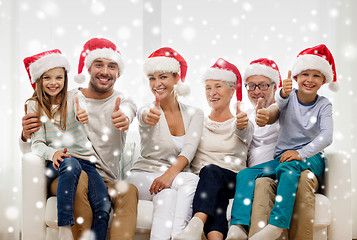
{"x": 38, "y": 138}
{"x": 282, "y": 94}
{"x": 324, "y": 138}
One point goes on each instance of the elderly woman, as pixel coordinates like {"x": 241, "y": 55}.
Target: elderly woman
{"x": 221, "y": 154}
{"x": 170, "y": 132}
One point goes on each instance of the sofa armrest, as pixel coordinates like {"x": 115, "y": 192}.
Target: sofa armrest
{"x": 33, "y": 197}
{"x": 338, "y": 190}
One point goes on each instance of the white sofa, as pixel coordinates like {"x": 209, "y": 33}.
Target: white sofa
{"x": 332, "y": 214}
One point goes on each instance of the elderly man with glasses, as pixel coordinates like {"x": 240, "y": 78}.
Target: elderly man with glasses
{"x": 262, "y": 78}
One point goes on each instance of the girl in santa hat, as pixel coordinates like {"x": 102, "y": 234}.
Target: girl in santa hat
{"x": 170, "y": 132}
{"x": 221, "y": 154}
{"x": 62, "y": 141}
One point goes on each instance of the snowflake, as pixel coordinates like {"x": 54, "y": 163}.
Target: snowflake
{"x": 11, "y": 212}
{"x": 246, "y": 201}
{"x": 80, "y": 220}
{"x": 279, "y": 198}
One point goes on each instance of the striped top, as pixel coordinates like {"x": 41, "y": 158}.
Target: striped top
{"x": 50, "y": 138}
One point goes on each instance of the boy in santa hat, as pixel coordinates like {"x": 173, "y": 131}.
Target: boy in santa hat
{"x": 107, "y": 135}
{"x": 306, "y": 128}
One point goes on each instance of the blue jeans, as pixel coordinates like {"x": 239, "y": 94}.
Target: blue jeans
{"x": 68, "y": 176}
{"x": 287, "y": 173}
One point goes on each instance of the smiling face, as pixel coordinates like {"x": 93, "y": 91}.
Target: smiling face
{"x": 267, "y": 95}
{"x": 103, "y": 74}
{"x": 163, "y": 83}
{"x": 53, "y": 82}
{"x": 309, "y": 82}
{"x": 218, "y": 94}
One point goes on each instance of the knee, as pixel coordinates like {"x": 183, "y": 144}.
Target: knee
{"x": 307, "y": 184}
{"x": 265, "y": 184}
{"x": 286, "y": 167}
{"x": 125, "y": 189}
{"x": 70, "y": 165}
{"x": 209, "y": 170}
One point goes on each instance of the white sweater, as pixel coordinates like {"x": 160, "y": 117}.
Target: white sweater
{"x": 262, "y": 148}
{"x": 158, "y": 150}
{"x": 223, "y": 145}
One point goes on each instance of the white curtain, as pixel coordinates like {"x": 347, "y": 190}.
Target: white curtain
{"x": 201, "y": 30}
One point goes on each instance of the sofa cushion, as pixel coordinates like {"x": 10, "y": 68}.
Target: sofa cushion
{"x": 51, "y": 213}
{"x": 323, "y": 215}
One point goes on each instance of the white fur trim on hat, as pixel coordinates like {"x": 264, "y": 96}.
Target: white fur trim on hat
{"x": 309, "y": 61}
{"x": 220, "y": 74}
{"x": 106, "y": 53}
{"x": 161, "y": 64}
{"x": 263, "y": 70}
{"x": 46, "y": 63}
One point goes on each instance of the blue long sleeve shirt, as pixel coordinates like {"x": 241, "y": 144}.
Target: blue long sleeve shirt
{"x": 306, "y": 128}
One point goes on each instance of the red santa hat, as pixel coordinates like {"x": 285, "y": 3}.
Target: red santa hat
{"x": 225, "y": 71}
{"x": 317, "y": 58}
{"x": 98, "y": 48}
{"x": 168, "y": 60}
{"x": 264, "y": 67}
{"x": 38, "y": 64}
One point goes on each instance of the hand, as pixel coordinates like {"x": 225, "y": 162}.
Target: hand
{"x": 289, "y": 156}
{"x": 119, "y": 119}
{"x": 287, "y": 86}
{"x": 30, "y": 123}
{"x": 241, "y": 118}
{"x": 262, "y": 116}
{"x": 153, "y": 116}
{"x": 160, "y": 183}
{"x": 82, "y": 115}
{"x": 58, "y": 157}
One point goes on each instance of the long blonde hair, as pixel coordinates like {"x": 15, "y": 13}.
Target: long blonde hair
{"x": 44, "y": 103}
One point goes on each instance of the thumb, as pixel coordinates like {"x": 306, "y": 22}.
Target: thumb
{"x": 259, "y": 104}
{"x": 238, "y": 107}
{"x": 65, "y": 150}
{"x": 77, "y": 104}
{"x": 117, "y": 104}
{"x": 289, "y": 74}
{"x": 157, "y": 100}
{"x": 25, "y": 107}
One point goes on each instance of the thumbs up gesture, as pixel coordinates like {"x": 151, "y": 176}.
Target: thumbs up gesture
{"x": 82, "y": 115}
{"x": 119, "y": 119}
{"x": 153, "y": 116}
{"x": 241, "y": 118}
{"x": 262, "y": 116}
{"x": 287, "y": 86}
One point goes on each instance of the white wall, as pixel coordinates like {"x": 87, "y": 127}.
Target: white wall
{"x": 201, "y": 30}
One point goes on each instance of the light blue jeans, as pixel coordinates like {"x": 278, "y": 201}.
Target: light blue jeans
{"x": 287, "y": 174}
{"x": 68, "y": 176}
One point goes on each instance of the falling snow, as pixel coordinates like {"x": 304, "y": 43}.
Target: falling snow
{"x": 240, "y": 30}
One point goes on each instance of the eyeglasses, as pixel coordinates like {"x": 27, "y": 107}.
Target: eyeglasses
{"x": 262, "y": 87}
